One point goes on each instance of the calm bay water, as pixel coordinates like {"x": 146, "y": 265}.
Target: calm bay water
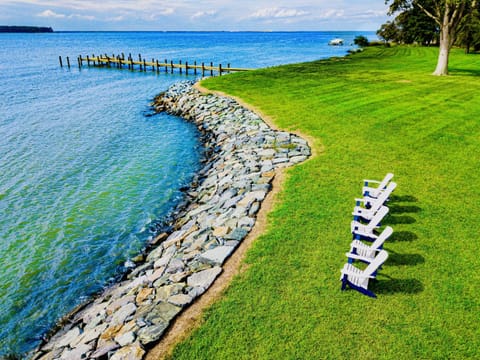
{"x": 84, "y": 173}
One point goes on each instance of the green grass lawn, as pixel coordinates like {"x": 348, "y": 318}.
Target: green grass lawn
{"x": 372, "y": 113}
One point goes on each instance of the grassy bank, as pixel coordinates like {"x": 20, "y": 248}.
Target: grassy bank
{"x": 368, "y": 114}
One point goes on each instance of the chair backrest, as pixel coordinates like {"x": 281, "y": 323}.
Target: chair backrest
{"x": 379, "y": 215}
{"x": 382, "y": 237}
{"x": 385, "y": 181}
{"x": 375, "y": 264}
{"x": 377, "y": 203}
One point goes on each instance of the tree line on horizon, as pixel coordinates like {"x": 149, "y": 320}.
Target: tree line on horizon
{"x": 443, "y": 23}
{"x": 25, "y": 29}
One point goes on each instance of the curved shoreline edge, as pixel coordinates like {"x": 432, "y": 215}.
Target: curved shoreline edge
{"x": 244, "y": 155}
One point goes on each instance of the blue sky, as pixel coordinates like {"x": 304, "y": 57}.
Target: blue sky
{"x": 221, "y": 15}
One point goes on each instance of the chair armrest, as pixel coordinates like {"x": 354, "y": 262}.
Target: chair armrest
{"x": 372, "y": 181}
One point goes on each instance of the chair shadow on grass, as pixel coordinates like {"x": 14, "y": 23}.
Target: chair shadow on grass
{"x": 403, "y": 236}
{"x": 402, "y": 198}
{"x": 397, "y": 259}
{"x": 399, "y": 219}
{"x": 390, "y": 286}
{"x": 402, "y": 209}
{"x": 397, "y": 210}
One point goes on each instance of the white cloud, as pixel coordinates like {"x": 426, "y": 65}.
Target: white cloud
{"x": 166, "y": 12}
{"x": 104, "y": 5}
{"x": 82, "y": 17}
{"x": 116, "y": 18}
{"x": 54, "y": 15}
{"x": 368, "y": 14}
{"x": 51, "y": 14}
{"x": 278, "y": 13}
{"x": 149, "y": 16}
{"x": 332, "y": 13}
{"x": 201, "y": 14}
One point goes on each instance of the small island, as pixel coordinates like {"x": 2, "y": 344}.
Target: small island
{"x": 25, "y": 29}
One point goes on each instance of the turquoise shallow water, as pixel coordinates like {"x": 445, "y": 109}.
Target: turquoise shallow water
{"x": 84, "y": 174}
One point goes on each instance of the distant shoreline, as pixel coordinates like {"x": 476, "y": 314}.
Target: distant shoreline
{"x": 25, "y": 29}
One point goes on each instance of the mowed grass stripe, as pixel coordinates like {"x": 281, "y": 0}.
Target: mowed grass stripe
{"x": 369, "y": 114}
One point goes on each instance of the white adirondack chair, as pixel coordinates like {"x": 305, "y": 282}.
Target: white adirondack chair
{"x": 366, "y": 253}
{"x": 358, "y": 279}
{"x": 374, "y": 192}
{"x": 366, "y": 230}
{"x": 374, "y": 204}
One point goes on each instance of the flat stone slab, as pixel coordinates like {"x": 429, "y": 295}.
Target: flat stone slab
{"x": 216, "y": 256}
{"x": 204, "y": 278}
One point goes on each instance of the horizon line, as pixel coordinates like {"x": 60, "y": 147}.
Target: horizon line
{"x": 211, "y": 31}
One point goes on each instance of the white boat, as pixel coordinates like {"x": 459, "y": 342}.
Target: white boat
{"x": 336, "y": 42}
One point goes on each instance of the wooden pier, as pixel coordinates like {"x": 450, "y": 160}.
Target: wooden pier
{"x": 120, "y": 62}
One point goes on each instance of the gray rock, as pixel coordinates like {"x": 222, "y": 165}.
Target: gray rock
{"x": 196, "y": 291}
{"x": 232, "y": 202}
{"x": 251, "y": 197}
{"x": 163, "y": 261}
{"x": 91, "y": 334}
{"x": 130, "y": 352}
{"x": 279, "y": 160}
{"x": 167, "y": 291}
{"x": 78, "y": 353}
{"x": 180, "y": 300}
{"x": 238, "y": 234}
{"x": 162, "y": 312}
{"x": 69, "y": 338}
{"x": 297, "y": 159}
{"x": 92, "y": 312}
{"x": 125, "y": 339}
{"x": 123, "y": 313}
{"x": 104, "y": 350}
{"x": 117, "y": 304}
{"x": 266, "y": 153}
{"x": 232, "y": 243}
{"x": 175, "y": 265}
{"x": 247, "y": 222}
{"x": 240, "y": 212}
{"x": 152, "y": 333}
{"x": 216, "y": 256}
{"x": 254, "y": 209}
{"x": 204, "y": 278}
{"x": 265, "y": 187}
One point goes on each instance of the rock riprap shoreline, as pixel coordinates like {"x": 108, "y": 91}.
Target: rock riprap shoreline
{"x": 242, "y": 153}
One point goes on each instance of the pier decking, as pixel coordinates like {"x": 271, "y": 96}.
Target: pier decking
{"x": 142, "y": 64}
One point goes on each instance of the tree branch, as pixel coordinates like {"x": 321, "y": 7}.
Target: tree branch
{"x": 436, "y": 18}
{"x": 437, "y": 9}
{"x": 457, "y": 15}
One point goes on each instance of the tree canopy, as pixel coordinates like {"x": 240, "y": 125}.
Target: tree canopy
{"x": 411, "y": 26}
{"x": 450, "y": 18}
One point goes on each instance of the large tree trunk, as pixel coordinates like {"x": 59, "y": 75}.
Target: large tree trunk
{"x": 442, "y": 63}
{"x": 447, "y": 36}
